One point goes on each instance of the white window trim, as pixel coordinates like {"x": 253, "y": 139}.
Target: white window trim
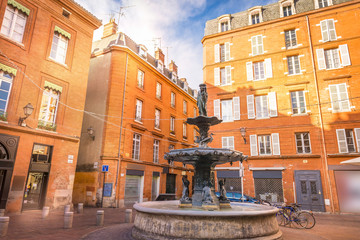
{"x": 138, "y": 113}
{"x": 228, "y": 140}
{"x": 56, "y": 59}
{"x": 257, "y": 45}
{"x": 135, "y": 142}
{"x": 157, "y": 119}
{"x": 253, "y": 11}
{"x": 330, "y": 3}
{"x": 172, "y": 99}
{"x": 337, "y": 91}
{"x": 156, "y": 151}
{"x": 158, "y": 90}
{"x": 298, "y": 101}
{"x": 172, "y": 124}
{"x": 293, "y": 62}
{"x": 10, "y": 81}
{"x": 224, "y": 18}
{"x": 271, "y": 145}
{"x": 303, "y": 143}
{"x": 50, "y": 96}
{"x": 13, "y": 23}
{"x": 285, "y": 3}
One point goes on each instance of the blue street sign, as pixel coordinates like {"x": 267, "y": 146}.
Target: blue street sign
{"x": 105, "y": 168}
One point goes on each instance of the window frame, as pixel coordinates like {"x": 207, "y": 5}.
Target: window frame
{"x": 256, "y": 44}
{"x": 303, "y": 146}
{"x": 331, "y": 61}
{"x": 138, "y": 114}
{"x": 185, "y": 107}
{"x": 291, "y": 35}
{"x": 229, "y": 111}
{"x": 157, "y": 119}
{"x": 228, "y": 140}
{"x": 298, "y": 102}
{"x": 14, "y": 22}
{"x": 47, "y": 112}
{"x": 3, "y": 78}
{"x": 292, "y": 62}
{"x": 259, "y": 77}
{"x": 258, "y": 111}
{"x": 158, "y": 90}
{"x": 172, "y": 125}
{"x": 156, "y": 151}
{"x": 136, "y": 147}
{"x": 172, "y": 99}
{"x": 56, "y": 58}
{"x": 338, "y": 100}
{"x": 140, "y": 82}
{"x": 266, "y": 144}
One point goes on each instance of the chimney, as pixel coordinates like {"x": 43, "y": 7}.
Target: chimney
{"x": 109, "y": 28}
{"x": 159, "y": 55}
{"x": 173, "y": 67}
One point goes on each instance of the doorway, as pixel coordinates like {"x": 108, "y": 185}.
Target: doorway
{"x": 132, "y": 190}
{"x": 35, "y": 190}
{"x": 309, "y": 190}
{"x": 170, "y": 183}
{"x": 155, "y": 187}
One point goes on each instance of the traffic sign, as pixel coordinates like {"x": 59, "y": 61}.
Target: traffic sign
{"x": 105, "y": 168}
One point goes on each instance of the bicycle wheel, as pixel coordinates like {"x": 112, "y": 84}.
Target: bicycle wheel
{"x": 280, "y": 217}
{"x": 300, "y": 220}
{"x": 309, "y": 218}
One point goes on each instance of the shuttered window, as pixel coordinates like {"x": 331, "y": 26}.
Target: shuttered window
{"x": 257, "y": 45}
{"x": 259, "y": 70}
{"x": 138, "y": 111}
{"x": 303, "y": 143}
{"x": 328, "y": 32}
{"x": 265, "y": 144}
{"x": 264, "y": 106}
{"x": 290, "y": 38}
{"x": 339, "y": 98}
{"x": 293, "y": 65}
{"x": 298, "y": 103}
{"x": 228, "y": 142}
{"x": 345, "y": 138}
{"x": 333, "y": 58}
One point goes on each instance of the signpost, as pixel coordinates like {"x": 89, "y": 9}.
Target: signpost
{"x": 104, "y": 169}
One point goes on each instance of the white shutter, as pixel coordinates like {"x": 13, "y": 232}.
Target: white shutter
{"x": 357, "y": 137}
{"x": 253, "y": 146}
{"x": 331, "y": 29}
{"x": 227, "y": 51}
{"x": 324, "y": 30}
{"x": 236, "y": 107}
{"x": 224, "y": 142}
{"x": 249, "y": 71}
{"x": 250, "y": 106}
{"x": 254, "y": 46}
{"x": 272, "y": 104}
{"x": 217, "y": 108}
{"x": 268, "y": 68}
{"x": 228, "y": 74}
{"x": 216, "y": 76}
{"x": 217, "y": 53}
{"x": 321, "y": 58}
{"x": 316, "y": 4}
{"x": 341, "y": 137}
{"x": 275, "y": 143}
{"x": 260, "y": 44}
{"x": 231, "y": 143}
{"x": 344, "y": 53}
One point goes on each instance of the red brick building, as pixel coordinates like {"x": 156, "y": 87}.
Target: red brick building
{"x": 287, "y": 74}
{"x": 139, "y": 108}
{"x": 45, "y": 48}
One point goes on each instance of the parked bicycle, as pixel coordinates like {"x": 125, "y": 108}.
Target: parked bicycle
{"x": 292, "y": 215}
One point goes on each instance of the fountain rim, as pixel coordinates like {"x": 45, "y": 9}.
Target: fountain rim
{"x": 204, "y": 213}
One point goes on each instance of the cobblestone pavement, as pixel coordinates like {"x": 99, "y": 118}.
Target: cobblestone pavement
{"x": 30, "y": 225}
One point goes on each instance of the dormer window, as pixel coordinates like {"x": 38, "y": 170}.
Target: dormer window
{"x": 142, "y": 51}
{"x": 224, "y": 23}
{"x": 173, "y": 77}
{"x": 287, "y": 8}
{"x": 160, "y": 66}
{"x": 322, "y": 3}
{"x": 255, "y": 15}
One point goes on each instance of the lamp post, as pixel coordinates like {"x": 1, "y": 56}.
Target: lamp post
{"x": 241, "y": 168}
{"x": 28, "y": 109}
{"x": 243, "y": 133}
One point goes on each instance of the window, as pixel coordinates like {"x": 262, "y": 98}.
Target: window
{"x": 224, "y": 26}
{"x": 290, "y": 38}
{"x": 222, "y": 52}
{"x": 257, "y": 45}
{"x": 41, "y": 153}
{"x": 184, "y": 130}
{"x": 172, "y": 100}
{"x": 59, "y": 45}
{"x": 156, "y": 151}
{"x": 6, "y": 80}
{"x": 328, "y": 31}
{"x": 259, "y": 70}
{"x": 303, "y": 142}
{"x": 265, "y": 144}
{"x": 228, "y": 142}
{"x": 157, "y": 118}
{"x": 255, "y": 15}
{"x": 142, "y": 51}
{"x": 49, "y": 105}
{"x": 222, "y": 76}
{"x": 255, "y": 18}
{"x": 263, "y": 106}
{"x": 160, "y": 66}
{"x": 333, "y": 58}
{"x": 14, "y": 22}
{"x": 136, "y": 147}
{"x": 345, "y": 138}
{"x": 140, "y": 79}
{"x": 322, "y": 3}
{"x": 158, "y": 90}
{"x": 195, "y": 112}
{"x": 138, "y": 111}
{"x": 228, "y": 110}
{"x": 287, "y": 11}
{"x": 339, "y": 98}
{"x": 293, "y": 65}
{"x": 172, "y": 125}
{"x": 298, "y": 103}
{"x": 185, "y": 107}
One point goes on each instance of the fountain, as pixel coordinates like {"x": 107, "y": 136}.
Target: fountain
{"x": 204, "y": 216}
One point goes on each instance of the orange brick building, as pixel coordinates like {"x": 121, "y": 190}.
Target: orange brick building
{"x": 286, "y": 74}
{"x": 45, "y": 48}
{"x": 138, "y": 112}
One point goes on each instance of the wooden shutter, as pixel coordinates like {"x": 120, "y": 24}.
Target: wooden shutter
{"x": 275, "y": 143}
{"x": 321, "y": 58}
{"x": 224, "y": 142}
{"x": 236, "y": 107}
{"x": 324, "y": 31}
{"x": 253, "y": 145}
{"x": 344, "y": 53}
{"x": 254, "y": 46}
{"x": 331, "y": 29}
{"x": 272, "y": 104}
{"x": 217, "y": 108}
{"x": 231, "y": 143}
{"x": 260, "y": 44}
{"x": 216, "y": 76}
{"x": 249, "y": 71}
{"x": 227, "y": 51}
{"x": 228, "y": 74}
{"x": 250, "y": 106}
{"x": 217, "y": 53}
{"x": 268, "y": 68}
{"x": 341, "y": 137}
{"x": 357, "y": 137}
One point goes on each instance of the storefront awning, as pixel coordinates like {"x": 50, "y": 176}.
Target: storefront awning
{"x": 355, "y": 161}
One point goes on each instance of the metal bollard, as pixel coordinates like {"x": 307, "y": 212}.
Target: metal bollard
{"x": 128, "y": 215}
{"x": 68, "y": 220}
{"x": 80, "y": 208}
{"x": 2, "y": 212}
{"x": 100, "y": 218}
{"x": 66, "y": 208}
{"x": 45, "y": 212}
{"x": 4, "y": 223}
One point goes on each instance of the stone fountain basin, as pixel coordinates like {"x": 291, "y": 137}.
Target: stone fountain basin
{"x": 165, "y": 220}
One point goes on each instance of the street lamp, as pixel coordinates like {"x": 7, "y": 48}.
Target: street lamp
{"x": 91, "y": 133}
{"x": 28, "y": 109}
{"x": 243, "y": 133}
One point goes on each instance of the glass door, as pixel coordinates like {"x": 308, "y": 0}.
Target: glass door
{"x": 34, "y": 190}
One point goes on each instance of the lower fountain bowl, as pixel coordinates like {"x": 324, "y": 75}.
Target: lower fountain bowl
{"x": 164, "y": 220}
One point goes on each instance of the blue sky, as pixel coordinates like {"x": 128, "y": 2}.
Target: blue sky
{"x": 179, "y": 23}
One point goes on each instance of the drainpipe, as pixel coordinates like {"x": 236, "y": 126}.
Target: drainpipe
{"x": 121, "y": 123}
{"x": 327, "y": 176}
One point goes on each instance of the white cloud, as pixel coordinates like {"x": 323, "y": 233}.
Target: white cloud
{"x": 165, "y": 19}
